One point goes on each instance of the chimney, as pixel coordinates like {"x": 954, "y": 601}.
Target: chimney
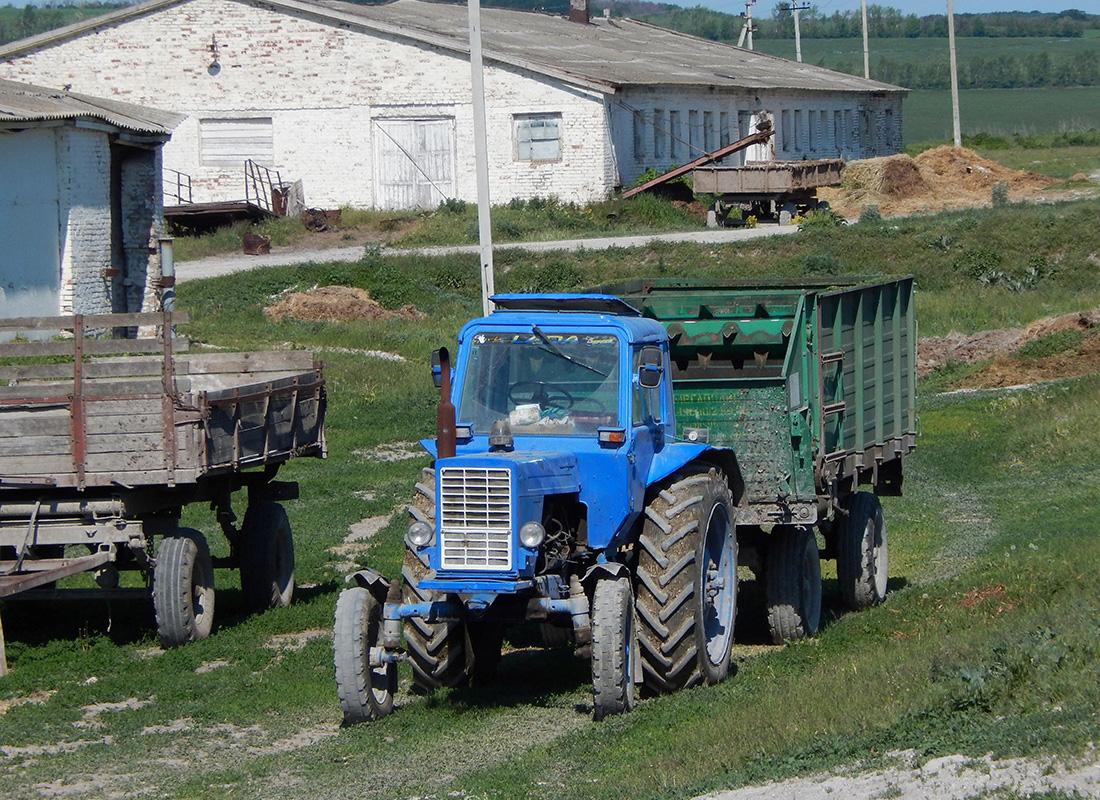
{"x": 578, "y": 11}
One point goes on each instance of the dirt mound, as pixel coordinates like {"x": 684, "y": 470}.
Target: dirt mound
{"x": 940, "y": 178}
{"x": 999, "y": 346}
{"x": 335, "y": 303}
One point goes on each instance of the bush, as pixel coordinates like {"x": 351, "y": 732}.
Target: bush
{"x": 870, "y": 214}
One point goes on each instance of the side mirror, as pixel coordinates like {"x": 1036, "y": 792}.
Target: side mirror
{"x": 437, "y": 373}
{"x": 650, "y": 367}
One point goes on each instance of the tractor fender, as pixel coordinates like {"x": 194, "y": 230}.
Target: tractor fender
{"x": 602, "y": 571}
{"x": 672, "y": 458}
{"x": 373, "y": 581}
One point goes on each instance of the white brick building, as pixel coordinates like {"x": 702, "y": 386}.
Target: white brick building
{"x": 80, "y": 202}
{"x": 370, "y": 106}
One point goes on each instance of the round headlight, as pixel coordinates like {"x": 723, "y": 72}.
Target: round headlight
{"x": 420, "y": 533}
{"x": 532, "y": 535}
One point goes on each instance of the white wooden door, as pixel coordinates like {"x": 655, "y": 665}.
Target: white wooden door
{"x": 30, "y": 259}
{"x": 414, "y": 162}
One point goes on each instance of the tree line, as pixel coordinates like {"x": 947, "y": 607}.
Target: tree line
{"x": 19, "y": 23}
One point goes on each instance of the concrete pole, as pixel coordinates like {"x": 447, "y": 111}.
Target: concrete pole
{"x": 748, "y": 20}
{"x": 956, "y": 125}
{"x": 866, "y": 49}
{"x": 481, "y": 158}
{"x": 797, "y": 36}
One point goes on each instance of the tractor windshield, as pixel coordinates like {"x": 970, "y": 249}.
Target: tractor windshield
{"x": 543, "y": 383}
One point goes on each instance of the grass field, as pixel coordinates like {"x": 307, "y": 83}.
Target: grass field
{"x": 927, "y": 113}
{"x": 830, "y": 52}
{"x": 988, "y": 642}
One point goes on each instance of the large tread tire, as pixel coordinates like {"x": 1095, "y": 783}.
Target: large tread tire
{"x": 613, "y": 648}
{"x": 365, "y": 693}
{"x": 183, "y": 588}
{"x": 792, "y": 584}
{"x": 437, "y": 651}
{"x": 862, "y": 561}
{"x": 266, "y": 557}
{"x": 686, "y": 585}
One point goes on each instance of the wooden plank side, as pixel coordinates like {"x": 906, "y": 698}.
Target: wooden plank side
{"x": 92, "y": 388}
{"x": 91, "y": 321}
{"x": 239, "y": 365}
{"x": 91, "y": 347}
{"x": 105, "y": 367}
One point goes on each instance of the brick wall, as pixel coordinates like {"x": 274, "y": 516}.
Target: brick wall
{"x": 323, "y": 87}
{"x": 84, "y": 192}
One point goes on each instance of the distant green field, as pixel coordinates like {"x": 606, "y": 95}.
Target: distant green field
{"x": 831, "y": 52}
{"x": 927, "y": 113}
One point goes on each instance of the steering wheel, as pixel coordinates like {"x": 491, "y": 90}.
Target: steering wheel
{"x": 542, "y": 393}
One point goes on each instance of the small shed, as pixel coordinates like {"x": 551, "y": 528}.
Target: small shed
{"x": 81, "y": 208}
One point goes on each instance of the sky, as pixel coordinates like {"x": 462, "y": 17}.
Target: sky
{"x": 918, "y": 7}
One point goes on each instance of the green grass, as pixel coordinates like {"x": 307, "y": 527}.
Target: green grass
{"x": 1000, "y": 493}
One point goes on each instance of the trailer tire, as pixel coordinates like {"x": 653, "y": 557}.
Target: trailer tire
{"x": 365, "y": 692}
{"x": 862, "y": 561}
{"x": 266, "y": 557}
{"x": 686, "y": 582}
{"x": 183, "y": 588}
{"x": 437, "y": 650}
{"x": 792, "y": 584}
{"x": 614, "y": 647}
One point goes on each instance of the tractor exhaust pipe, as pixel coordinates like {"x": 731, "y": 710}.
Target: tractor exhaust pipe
{"x": 445, "y": 414}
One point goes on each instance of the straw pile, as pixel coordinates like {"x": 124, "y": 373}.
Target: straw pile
{"x": 336, "y": 303}
{"x": 937, "y": 179}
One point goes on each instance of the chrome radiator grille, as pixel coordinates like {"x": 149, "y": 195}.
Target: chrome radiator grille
{"x": 475, "y": 507}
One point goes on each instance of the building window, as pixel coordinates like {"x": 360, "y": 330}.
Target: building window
{"x": 231, "y": 142}
{"x": 676, "y": 131}
{"x": 709, "y": 134}
{"x": 660, "y": 135}
{"x": 538, "y": 137}
{"x": 785, "y": 121}
{"x": 813, "y": 130}
{"x": 695, "y": 135}
{"x": 638, "y": 124}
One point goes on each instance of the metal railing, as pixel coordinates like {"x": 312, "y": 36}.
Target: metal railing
{"x": 181, "y": 193}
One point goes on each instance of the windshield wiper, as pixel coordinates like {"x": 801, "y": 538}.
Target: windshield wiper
{"x": 553, "y": 348}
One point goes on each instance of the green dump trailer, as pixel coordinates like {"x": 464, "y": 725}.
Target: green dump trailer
{"x": 812, "y": 384}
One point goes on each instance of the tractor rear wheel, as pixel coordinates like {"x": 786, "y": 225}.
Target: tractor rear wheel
{"x": 437, "y": 650}
{"x": 686, "y": 586}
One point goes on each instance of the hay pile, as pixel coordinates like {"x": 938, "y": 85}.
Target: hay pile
{"x": 941, "y": 178}
{"x": 337, "y": 304}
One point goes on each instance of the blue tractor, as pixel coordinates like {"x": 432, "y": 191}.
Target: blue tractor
{"x": 562, "y": 495}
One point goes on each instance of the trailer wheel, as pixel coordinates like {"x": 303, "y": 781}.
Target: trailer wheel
{"x": 862, "y": 558}
{"x": 613, "y": 648}
{"x": 266, "y": 557}
{"x": 792, "y": 584}
{"x": 437, "y": 650}
{"x": 686, "y": 583}
{"x": 183, "y": 588}
{"x": 365, "y": 692}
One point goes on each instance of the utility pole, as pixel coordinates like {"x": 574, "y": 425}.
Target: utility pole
{"x": 481, "y": 157}
{"x": 748, "y": 24}
{"x": 956, "y": 125}
{"x": 795, "y": 7}
{"x": 866, "y": 50}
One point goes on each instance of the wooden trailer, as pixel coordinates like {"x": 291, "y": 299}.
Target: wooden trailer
{"x": 106, "y": 436}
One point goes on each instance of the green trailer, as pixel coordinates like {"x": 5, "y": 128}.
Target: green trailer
{"x": 812, "y": 384}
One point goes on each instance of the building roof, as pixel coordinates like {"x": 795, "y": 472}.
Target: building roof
{"x": 606, "y": 54}
{"x": 24, "y": 102}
